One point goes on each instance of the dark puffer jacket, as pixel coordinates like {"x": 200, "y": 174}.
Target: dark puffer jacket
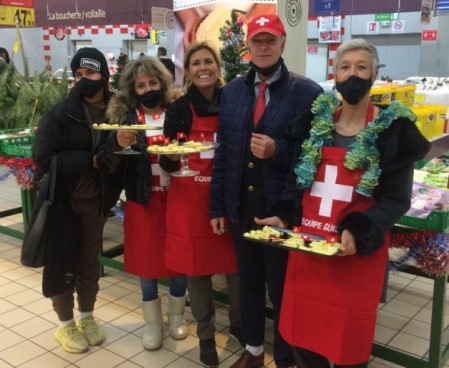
{"x": 64, "y": 131}
{"x": 290, "y": 96}
{"x": 135, "y": 169}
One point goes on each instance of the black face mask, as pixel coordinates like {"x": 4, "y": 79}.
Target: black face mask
{"x": 88, "y": 87}
{"x": 266, "y": 71}
{"x": 150, "y": 99}
{"x": 354, "y": 88}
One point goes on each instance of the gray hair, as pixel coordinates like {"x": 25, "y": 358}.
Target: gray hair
{"x": 357, "y": 44}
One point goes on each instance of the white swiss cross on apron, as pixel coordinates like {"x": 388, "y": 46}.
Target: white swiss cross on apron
{"x": 329, "y": 191}
{"x": 164, "y": 177}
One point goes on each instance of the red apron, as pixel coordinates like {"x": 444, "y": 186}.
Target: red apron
{"x": 191, "y": 247}
{"x": 144, "y": 225}
{"x": 330, "y": 303}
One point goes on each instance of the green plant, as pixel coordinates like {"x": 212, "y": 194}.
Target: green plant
{"x": 24, "y": 101}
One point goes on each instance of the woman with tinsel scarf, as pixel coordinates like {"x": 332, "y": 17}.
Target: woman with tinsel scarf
{"x": 354, "y": 174}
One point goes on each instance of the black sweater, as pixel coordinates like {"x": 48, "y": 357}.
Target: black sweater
{"x": 179, "y": 118}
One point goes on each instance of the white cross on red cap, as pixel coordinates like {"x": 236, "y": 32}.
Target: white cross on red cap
{"x": 262, "y": 20}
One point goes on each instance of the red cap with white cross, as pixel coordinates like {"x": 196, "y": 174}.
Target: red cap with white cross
{"x": 270, "y": 23}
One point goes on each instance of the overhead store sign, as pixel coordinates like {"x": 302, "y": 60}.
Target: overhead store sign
{"x": 67, "y": 13}
{"x": 8, "y": 15}
{"x": 442, "y": 5}
{"x": 327, "y": 6}
{"x": 21, "y": 3}
{"x": 385, "y": 17}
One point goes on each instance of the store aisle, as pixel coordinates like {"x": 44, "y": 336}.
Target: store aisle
{"x": 27, "y": 321}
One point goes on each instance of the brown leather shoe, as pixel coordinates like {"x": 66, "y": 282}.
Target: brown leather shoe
{"x": 247, "y": 360}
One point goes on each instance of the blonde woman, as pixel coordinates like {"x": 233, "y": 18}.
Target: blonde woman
{"x": 191, "y": 246}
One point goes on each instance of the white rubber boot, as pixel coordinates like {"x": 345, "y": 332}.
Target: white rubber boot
{"x": 176, "y": 307}
{"x": 152, "y": 315}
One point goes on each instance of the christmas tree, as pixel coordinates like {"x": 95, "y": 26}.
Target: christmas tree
{"x": 233, "y": 49}
{"x": 122, "y": 59}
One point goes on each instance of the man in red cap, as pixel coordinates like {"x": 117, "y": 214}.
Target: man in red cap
{"x": 250, "y": 167}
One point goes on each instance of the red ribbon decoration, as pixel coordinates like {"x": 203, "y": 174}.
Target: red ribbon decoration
{"x": 17, "y": 162}
{"x": 22, "y": 168}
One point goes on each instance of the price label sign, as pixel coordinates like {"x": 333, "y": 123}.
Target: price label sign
{"x": 8, "y": 15}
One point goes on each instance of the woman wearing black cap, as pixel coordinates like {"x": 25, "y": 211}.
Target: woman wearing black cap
{"x": 66, "y": 131}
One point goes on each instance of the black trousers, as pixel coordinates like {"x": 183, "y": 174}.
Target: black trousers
{"x": 308, "y": 359}
{"x": 261, "y": 267}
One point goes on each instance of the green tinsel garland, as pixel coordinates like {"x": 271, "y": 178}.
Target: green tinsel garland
{"x": 362, "y": 154}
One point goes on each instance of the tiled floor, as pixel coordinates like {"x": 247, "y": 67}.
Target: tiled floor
{"x": 27, "y": 321}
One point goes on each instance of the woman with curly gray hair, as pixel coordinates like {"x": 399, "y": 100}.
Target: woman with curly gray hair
{"x": 145, "y": 91}
{"x": 145, "y": 66}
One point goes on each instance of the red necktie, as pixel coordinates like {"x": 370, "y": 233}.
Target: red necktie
{"x": 260, "y": 103}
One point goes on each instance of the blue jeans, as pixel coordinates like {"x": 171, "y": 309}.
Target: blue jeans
{"x": 149, "y": 287}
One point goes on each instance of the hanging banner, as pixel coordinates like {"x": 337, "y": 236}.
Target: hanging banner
{"x": 330, "y": 29}
{"x": 426, "y": 11}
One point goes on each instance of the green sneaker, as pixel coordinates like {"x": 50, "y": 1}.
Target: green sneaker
{"x": 71, "y": 339}
{"x": 89, "y": 327}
